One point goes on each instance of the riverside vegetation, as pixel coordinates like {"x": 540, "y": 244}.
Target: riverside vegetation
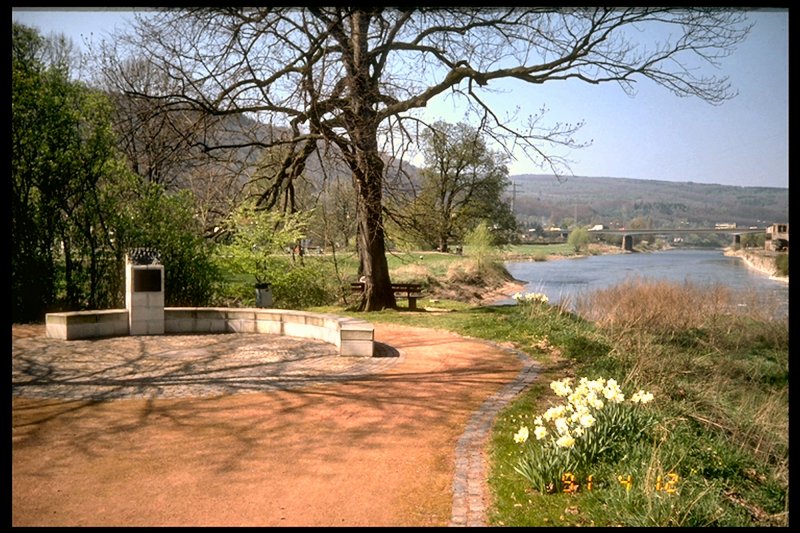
{"x": 708, "y": 446}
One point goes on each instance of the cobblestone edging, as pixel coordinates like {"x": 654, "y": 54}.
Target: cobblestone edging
{"x": 469, "y": 490}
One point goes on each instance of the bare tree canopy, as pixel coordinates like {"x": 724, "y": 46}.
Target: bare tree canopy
{"x": 350, "y": 77}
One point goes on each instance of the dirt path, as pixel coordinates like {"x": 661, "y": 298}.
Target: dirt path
{"x": 377, "y": 450}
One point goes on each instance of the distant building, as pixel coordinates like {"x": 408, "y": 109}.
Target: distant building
{"x": 777, "y": 238}
{"x": 556, "y": 233}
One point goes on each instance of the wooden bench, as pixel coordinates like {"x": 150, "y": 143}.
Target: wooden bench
{"x": 409, "y": 291}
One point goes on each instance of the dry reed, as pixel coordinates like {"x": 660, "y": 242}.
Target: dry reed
{"x": 697, "y": 344}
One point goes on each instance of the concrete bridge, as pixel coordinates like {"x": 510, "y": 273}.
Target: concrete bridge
{"x": 627, "y": 234}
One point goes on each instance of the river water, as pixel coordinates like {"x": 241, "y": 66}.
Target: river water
{"x": 568, "y": 278}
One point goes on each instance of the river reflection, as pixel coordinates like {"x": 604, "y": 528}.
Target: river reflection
{"x": 568, "y": 278}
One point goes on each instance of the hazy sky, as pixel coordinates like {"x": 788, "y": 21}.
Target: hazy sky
{"x": 655, "y": 135}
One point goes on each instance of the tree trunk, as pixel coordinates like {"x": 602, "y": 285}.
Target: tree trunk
{"x": 93, "y": 275}
{"x": 367, "y": 167}
{"x": 443, "y": 244}
{"x": 371, "y": 244}
{"x": 68, "y": 269}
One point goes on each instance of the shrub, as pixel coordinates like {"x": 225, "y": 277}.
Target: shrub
{"x": 782, "y": 264}
{"x": 154, "y": 218}
{"x": 293, "y": 285}
{"x": 300, "y": 286}
{"x": 578, "y": 238}
{"x": 481, "y": 244}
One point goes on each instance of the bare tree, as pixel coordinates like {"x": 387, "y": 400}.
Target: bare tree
{"x": 351, "y": 77}
{"x": 161, "y": 146}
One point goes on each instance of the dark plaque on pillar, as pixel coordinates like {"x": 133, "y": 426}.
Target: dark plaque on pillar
{"x": 146, "y": 280}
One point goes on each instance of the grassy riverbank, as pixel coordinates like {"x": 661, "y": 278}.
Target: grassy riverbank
{"x": 549, "y": 252}
{"x": 470, "y": 278}
{"x": 720, "y": 383}
{"x": 716, "y": 453}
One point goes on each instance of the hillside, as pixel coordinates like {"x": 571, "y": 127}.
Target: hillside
{"x": 537, "y": 199}
{"x": 545, "y": 199}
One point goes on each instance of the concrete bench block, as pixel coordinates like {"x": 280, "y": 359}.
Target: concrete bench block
{"x": 357, "y": 334}
{"x": 272, "y": 327}
{"x": 241, "y": 326}
{"x": 56, "y": 331}
{"x": 316, "y": 321}
{"x": 358, "y": 348}
{"x": 264, "y": 316}
{"x": 138, "y": 328}
{"x": 179, "y": 313}
{"x": 155, "y": 298}
{"x": 139, "y": 299}
{"x": 114, "y": 316}
{"x": 210, "y": 325}
{"x": 56, "y": 319}
{"x": 147, "y": 313}
{"x": 81, "y": 330}
{"x": 105, "y": 329}
{"x": 293, "y": 317}
{"x": 120, "y": 328}
{"x": 86, "y": 324}
{"x": 293, "y": 329}
{"x": 180, "y": 325}
{"x": 244, "y": 314}
{"x": 81, "y": 317}
{"x": 147, "y": 327}
{"x": 212, "y": 313}
{"x": 332, "y": 336}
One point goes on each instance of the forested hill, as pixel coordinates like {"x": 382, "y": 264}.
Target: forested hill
{"x": 545, "y": 199}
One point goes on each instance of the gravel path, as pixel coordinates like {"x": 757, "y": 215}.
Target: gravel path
{"x": 257, "y": 430}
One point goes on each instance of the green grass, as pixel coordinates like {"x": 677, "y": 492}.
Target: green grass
{"x": 538, "y": 250}
{"x": 782, "y": 264}
{"x": 720, "y": 382}
{"x": 541, "y": 252}
{"x": 405, "y": 266}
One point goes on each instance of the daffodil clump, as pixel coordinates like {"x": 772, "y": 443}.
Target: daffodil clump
{"x": 595, "y": 419}
{"x": 531, "y": 298}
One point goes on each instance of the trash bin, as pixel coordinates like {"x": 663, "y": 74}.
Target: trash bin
{"x": 263, "y": 295}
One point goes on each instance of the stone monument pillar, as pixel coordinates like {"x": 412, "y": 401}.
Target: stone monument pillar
{"x": 144, "y": 292}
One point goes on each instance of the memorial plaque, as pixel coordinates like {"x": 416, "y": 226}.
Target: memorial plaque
{"x": 146, "y": 280}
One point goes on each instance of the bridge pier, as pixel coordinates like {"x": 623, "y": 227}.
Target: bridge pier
{"x": 627, "y": 243}
{"x": 737, "y": 240}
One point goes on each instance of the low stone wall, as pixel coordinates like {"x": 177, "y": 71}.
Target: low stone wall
{"x": 87, "y": 324}
{"x": 352, "y": 336}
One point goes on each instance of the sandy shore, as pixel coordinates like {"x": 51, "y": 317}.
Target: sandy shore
{"x": 506, "y": 291}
